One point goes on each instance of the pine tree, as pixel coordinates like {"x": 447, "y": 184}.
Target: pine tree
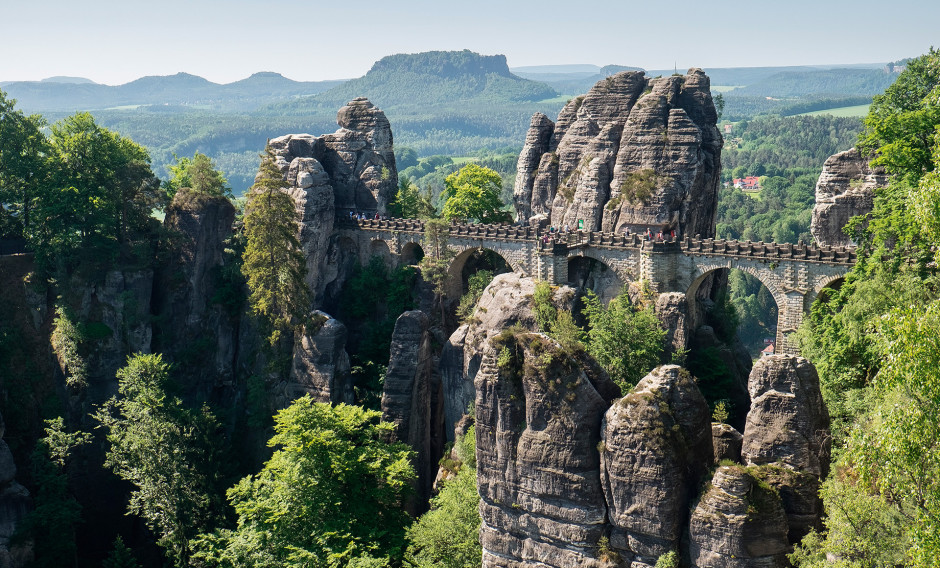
{"x": 274, "y": 263}
{"x": 120, "y": 557}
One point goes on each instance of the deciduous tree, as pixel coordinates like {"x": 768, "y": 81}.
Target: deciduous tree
{"x": 330, "y": 495}
{"x": 473, "y": 193}
{"x": 168, "y": 452}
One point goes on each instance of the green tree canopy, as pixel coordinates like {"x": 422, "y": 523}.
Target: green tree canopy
{"x": 473, "y": 193}
{"x": 100, "y": 195}
{"x": 199, "y": 174}
{"x": 274, "y": 263}
{"x": 626, "y": 341}
{"x": 167, "y": 451}
{"x": 330, "y": 495}
{"x": 410, "y": 202}
{"x": 448, "y": 536}
{"x": 23, "y": 167}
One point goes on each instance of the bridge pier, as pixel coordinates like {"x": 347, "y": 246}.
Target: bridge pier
{"x": 794, "y": 274}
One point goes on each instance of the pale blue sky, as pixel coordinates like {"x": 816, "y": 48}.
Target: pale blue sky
{"x": 115, "y": 41}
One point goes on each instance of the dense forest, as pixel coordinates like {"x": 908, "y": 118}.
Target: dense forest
{"x": 334, "y": 488}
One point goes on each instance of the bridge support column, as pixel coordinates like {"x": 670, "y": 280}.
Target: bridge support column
{"x": 789, "y": 319}
{"x": 553, "y": 265}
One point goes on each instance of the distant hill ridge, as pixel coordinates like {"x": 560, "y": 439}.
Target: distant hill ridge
{"x": 65, "y": 94}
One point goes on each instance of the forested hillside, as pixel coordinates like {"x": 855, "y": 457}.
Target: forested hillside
{"x": 875, "y": 343}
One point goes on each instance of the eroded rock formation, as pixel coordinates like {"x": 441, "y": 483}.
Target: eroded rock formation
{"x": 320, "y": 366}
{"x": 656, "y": 445}
{"x": 505, "y": 302}
{"x": 727, "y": 442}
{"x": 788, "y": 429}
{"x": 195, "y": 326}
{"x": 845, "y": 189}
{"x": 633, "y": 152}
{"x": 738, "y": 523}
{"x": 538, "y": 417}
{"x": 352, "y": 169}
{"x": 411, "y": 398}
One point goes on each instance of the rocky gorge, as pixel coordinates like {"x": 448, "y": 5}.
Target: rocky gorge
{"x": 570, "y": 470}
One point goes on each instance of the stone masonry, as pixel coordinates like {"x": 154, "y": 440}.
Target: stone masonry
{"x": 794, "y": 274}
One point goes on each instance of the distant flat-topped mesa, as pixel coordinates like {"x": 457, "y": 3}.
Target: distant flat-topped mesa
{"x": 634, "y": 152}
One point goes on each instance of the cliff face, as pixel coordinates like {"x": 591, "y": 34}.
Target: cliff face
{"x": 633, "y": 152}
{"x": 538, "y": 416}
{"x": 352, "y": 169}
{"x": 193, "y": 327}
{"x": 14, "y": 504}
{"x": 845, "y": 189}
{"x": 569, "y": 475}
{"x": 411, "y": 399}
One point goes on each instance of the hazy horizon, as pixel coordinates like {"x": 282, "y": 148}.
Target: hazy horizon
{"x": 113, "y": 42}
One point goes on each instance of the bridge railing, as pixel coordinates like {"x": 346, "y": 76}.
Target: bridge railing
{"x": 549, "y": 240}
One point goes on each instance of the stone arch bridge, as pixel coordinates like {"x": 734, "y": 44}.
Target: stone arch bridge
{"x": 793, "y": 274}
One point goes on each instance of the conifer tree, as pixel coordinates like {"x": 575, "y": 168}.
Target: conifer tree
{"x": 274, "y": 263}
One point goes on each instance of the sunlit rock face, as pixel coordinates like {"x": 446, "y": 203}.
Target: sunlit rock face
{"x": 352, "y": 169}
{"x": 633, "y": 152}
{"x": 846, "y": 188}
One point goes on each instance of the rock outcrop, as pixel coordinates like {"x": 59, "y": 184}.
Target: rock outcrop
{"x": 506, "y": 302}
{"x": 538, "y": 416}
{"x": 788, "y": 429}
{"x": 352, "y": 169}
{"x": 845, "y": 189}
{"x": 727, "y": 442}
{"x": 672, "y": 309}
{"x": 194, "y": 325}
{"x": 788, "y": 422}
{"x": 656, "y": 445}
{"x": 14, "y": 504}
{"x": 320, "y": 366}
{"x": 633, "y": 152}
{"x": 411, "y": 398}
{"x": 738, "y": 523}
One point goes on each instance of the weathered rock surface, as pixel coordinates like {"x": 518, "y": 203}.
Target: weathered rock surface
{"x": 118, "y": 309}
{"x": 788, "y": 427}
{"x": 506, "y": 302}
{"x": 845, "y": 189}
{"x": 194, "y": 328}
{"x": 320, "y": 366}
{"x": 538, "y": 416}
{"x": 411, "y": 400}
{"x": 352, "y": 169}
{"x": 738, "y": 523}
{"x": 672, "y": 309}
{"x": 633, "y": 152}
{"x": 14, "y": 505}
{"x": 727, "y": 442}
{"x": 657, "y": 444}
{"x": 788, "y": 421}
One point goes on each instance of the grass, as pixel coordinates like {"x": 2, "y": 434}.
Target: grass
{"x": 849, "y": 111}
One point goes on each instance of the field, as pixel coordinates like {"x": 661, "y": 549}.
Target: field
{"x": 849, "y": 111}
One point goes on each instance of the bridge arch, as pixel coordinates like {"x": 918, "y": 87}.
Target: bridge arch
{"x": 380, "y": 248}
{"x": 411, "y": 254}
{"x": 587, "y": 271}
{"x": 469, "y": 261}
{"x": 697, "y": 294}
